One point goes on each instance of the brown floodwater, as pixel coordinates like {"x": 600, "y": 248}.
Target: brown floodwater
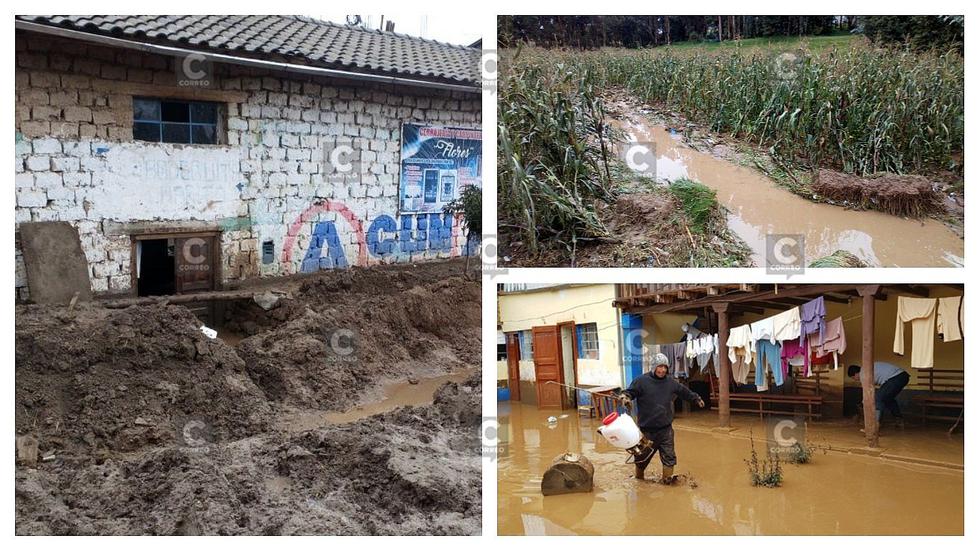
{"x": 392, "y": 395}
{"x": 757, "y": 207}
{"x": 834, "y": 494}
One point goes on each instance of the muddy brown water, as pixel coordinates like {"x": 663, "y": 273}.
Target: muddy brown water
{"x": 834, "y": 494}
{"x": 393, "y": 395}
{"x": 757, "y": 207}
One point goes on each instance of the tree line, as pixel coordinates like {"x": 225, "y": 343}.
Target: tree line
{"x": 640, "y": 31}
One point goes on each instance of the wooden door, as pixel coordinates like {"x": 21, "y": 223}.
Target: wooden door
{"x": 194, "y": 272}
{"x": 514, "y": 366}
{"x": 193, "y": 264}
{"x": 547, "y": 366}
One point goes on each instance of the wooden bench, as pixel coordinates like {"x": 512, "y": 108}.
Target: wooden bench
{"x": 943, "y": 400}
{"x": 807, "y": 395}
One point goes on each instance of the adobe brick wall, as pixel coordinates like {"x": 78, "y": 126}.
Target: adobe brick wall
{"x": 76, "y": 161}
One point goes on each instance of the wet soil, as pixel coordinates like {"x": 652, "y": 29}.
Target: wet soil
{"x": 146, "y": 426}
{"x": 648, "y": 228}
{"x": 758, "y": 206}
{"x": 835, "y": 493}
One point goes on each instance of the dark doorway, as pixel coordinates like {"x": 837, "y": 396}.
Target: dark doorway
{"x": 156, "y": 267}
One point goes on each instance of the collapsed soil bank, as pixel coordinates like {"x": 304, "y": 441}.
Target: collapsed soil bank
{"x": 149, "y": 427}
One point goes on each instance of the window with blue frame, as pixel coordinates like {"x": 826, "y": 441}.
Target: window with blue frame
{"x": 527, "y": 345}
{"x": 587, "y": 337}
{"x": 175, "y": 121}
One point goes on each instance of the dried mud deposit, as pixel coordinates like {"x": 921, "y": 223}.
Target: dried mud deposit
{"x": 144, "y": 425}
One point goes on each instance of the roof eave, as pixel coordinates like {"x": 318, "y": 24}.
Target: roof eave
{"x": 161, "y": 49}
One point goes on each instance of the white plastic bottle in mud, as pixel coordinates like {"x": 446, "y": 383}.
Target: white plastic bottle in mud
{"x": 620, "y": 430}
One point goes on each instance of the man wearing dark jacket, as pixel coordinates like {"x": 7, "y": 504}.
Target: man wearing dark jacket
{"x": 653, "y": 393}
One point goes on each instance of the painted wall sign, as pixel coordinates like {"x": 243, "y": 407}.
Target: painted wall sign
{"x": 436, "y": 162}
{"x": 384, "y": 236}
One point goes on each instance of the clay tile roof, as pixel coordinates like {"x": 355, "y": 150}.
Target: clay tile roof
{"x": 287, "y": 38}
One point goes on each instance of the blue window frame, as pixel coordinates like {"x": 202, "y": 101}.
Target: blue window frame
{"x": 587, "y": 335}
{"x": 175, "y": 121}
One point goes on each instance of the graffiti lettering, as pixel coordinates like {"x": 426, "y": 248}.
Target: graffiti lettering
{"x": 385, "y": 237}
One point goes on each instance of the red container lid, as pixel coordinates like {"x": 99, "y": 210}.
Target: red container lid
{"x": 610, "y": 418}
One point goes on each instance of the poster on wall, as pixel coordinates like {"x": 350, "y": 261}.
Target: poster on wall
{"x": 436, "y": 163}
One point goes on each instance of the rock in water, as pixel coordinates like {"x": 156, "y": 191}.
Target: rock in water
{"x": 569, "y": 473}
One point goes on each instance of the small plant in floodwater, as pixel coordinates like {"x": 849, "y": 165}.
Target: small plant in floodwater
{"x": 800, "y": 453}
{"x": 768, "y": 472}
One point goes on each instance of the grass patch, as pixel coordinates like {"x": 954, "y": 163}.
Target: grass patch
{"x": 698, "y": 201}
{"x": 773, "y": 43}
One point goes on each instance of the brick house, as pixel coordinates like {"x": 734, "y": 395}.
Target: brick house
{"x": 192, "y": 152}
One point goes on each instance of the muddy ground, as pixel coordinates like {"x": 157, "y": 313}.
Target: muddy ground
{"x": 146, "y": 426}
{"x": 937, "y": 195}
{"x": 647, "y": 226}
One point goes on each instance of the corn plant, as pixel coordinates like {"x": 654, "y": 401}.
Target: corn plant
{"x": 554, "y": 155}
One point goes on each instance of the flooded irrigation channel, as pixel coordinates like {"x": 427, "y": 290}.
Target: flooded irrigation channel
{"x": 835, "y": 493}
{"x": 757, "y": 206}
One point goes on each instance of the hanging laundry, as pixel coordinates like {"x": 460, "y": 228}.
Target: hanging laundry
{"x": 921, "y": 312}
{"x": 690, "y": 351}
{"x": 715, "y": 355}
{"x": 763, "y": 329}
{"x": 796, "y": 354}
{"x": 704, "y": 347}
{"x": 681, "y": 362}
{"x": 949, "y": 318}
{"x": 813, "y": 317}
{"x": 740, "y": 338}
{"x": 786, "y": 325}
{"x": 740, "y": 366}
{"x": 767, "y": 358}
{"x": 834, "y": 342}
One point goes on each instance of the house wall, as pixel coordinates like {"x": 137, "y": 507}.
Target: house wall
{"x": 76, "y": 161}
{"x": 578, "y": 304}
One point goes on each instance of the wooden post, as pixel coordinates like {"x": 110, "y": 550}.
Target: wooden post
{"x": 725, "y": 369}
{"x": 868, "y": 293}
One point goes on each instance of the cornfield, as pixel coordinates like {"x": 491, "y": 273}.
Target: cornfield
{"x": 862, "y": 110}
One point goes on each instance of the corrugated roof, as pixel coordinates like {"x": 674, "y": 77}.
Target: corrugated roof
{"x": 294, "y": 39}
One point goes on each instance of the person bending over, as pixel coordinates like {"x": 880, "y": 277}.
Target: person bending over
{"x": 889, "y": 380}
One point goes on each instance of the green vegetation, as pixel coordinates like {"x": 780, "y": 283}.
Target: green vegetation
{"x": 800, "y": 454}
{"x": 813, "y": 44}
{"x": 840, "y": 259}
{"x": 861, "y": 110}
{"x": 469, "y": 205}
{"x": 768, "y": 472}
{"x": 698, "y": 201}
{"x": 554, "y": 155}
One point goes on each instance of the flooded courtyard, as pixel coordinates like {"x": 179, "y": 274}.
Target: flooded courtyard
{"x": 757, "y": 206}
{"x": 836, "y": 493}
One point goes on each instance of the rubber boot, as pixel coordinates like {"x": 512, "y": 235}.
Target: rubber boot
{"x": 639, "y": 471}
{"x": 667, "y": 477}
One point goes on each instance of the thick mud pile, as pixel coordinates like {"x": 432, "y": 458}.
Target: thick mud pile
{"x": 146, "y": 426}
{"x": 901, "y": 195}
{"x": 96, "y": 379}
{"x": 334, "y": 339}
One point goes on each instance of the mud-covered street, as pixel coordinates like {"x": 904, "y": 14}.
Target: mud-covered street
{"x": 348, "y": 403}
{"x": 836, "y": 493}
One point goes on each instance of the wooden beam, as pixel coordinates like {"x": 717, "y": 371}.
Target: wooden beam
{"x": 239, "y": 294}
{"x": 724, "y": 376}
{"x": 868, "y": 293}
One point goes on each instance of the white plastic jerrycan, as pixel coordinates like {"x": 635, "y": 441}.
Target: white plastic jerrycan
{"x": 620, "y": 430}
